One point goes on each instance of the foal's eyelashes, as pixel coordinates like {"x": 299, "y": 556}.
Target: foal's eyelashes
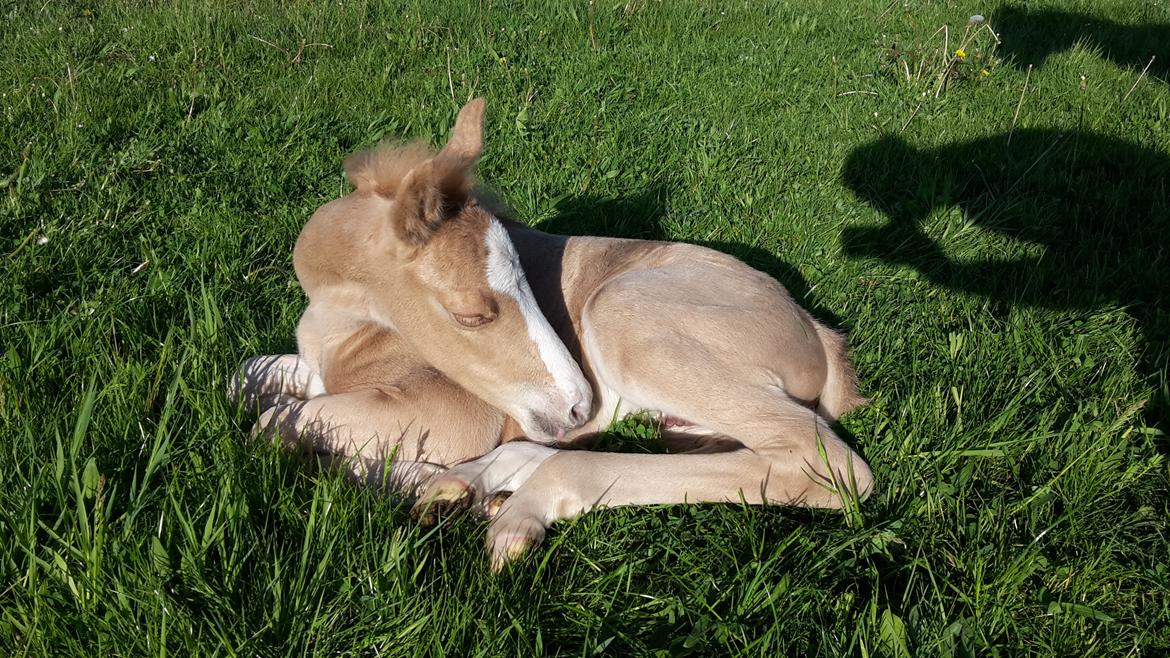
{"x": 472, "y": 321}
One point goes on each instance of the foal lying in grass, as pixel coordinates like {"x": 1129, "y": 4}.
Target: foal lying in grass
{"x": 441, "y": 334}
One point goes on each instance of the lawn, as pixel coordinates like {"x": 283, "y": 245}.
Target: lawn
{"x": 987, "y": 222}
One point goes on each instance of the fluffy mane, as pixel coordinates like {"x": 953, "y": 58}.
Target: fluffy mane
{"x": 381, "y": 169}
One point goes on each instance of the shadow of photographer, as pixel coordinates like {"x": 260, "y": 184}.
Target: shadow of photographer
{"x": 1083, "y": 217}
{"x": 1030, "y": 37}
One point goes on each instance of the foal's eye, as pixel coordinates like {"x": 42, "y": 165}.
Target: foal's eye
{"x": 471, "y": 321}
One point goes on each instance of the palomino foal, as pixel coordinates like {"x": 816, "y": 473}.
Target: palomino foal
{"x": 438, "y": 333}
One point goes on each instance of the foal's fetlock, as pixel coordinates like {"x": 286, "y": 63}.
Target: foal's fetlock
{"x": 510, "y": 538}
{"x": 490, "y": 508}
{"x": 442, "y": 499}
{"x": 428, "y": 514}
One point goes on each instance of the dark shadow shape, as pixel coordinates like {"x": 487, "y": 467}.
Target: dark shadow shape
{"x": 1095, "y": 209}
{"x": 1030, "y": 37}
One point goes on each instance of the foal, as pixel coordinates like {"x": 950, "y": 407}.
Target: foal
{"x": 439, "y": 334}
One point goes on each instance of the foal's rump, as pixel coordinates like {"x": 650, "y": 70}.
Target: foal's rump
{"x": 700, "y": 311}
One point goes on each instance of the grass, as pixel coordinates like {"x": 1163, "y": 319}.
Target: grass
{"x": 994, "y": 243}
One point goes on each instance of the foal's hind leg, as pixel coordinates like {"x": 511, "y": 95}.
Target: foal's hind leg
{"x": 790, "y": 456}
{"x": 720, "y": 380}
{"x": 744, "y": 362}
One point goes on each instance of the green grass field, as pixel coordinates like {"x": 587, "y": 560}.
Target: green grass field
{"x": 990, "y": 228}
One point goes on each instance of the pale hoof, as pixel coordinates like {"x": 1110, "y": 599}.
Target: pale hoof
{"x": 443, "y": 499}
{"x": 510, "y": 540}
{"x": 235, "y": 386}
{"x": 240, "y": 390}
{"x": 491, "y": 507}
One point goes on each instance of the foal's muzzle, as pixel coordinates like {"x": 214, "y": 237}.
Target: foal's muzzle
{"x": 566, "y": 416}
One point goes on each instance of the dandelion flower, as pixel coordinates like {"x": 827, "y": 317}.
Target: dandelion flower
{"x": 961, "y": 54}
{"x": 984, "y": 72}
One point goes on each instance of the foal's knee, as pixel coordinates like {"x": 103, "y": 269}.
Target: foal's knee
{"x": 830, "y": 476}
{"x": 850, "y": 480}
{"x": 861, "y": 480}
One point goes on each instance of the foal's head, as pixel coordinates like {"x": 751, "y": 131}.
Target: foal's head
{"x": 415, "y": 250}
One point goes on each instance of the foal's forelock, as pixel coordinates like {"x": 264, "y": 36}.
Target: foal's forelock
{"x": 506, "y": 276}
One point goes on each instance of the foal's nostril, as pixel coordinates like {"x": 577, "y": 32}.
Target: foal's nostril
{"x": 580, "y": 412}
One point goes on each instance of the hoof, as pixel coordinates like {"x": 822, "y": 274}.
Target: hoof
{"x": 491, "y": 506}
{"x": 235, "y": 387}
{"x": 507, "y": 544}
{"x": 446, "y": 502}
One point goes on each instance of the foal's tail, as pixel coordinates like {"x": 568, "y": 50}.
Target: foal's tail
{"x": 839, "y": 395}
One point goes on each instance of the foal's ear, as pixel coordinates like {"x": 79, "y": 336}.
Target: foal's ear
{"x": 466, "y": 143}
{"x": 442, "y": 184}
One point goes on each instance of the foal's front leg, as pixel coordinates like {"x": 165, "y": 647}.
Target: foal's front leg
{"x": 571, "y": 482}
{"x": 486, "y": 481}
{"x": 396, "y": 438}
{"x": 370, "y": 428}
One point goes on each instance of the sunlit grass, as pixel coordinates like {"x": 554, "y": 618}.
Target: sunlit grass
{"x": 156, "y": 164}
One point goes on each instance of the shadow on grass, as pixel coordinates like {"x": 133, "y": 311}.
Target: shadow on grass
{"x": 1093, "y": 212}
{"x": 1030, "y": 37}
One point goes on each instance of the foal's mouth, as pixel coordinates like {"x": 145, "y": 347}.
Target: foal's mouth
{"x": 548, "y": 429}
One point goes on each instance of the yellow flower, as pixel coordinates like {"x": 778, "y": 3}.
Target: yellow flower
{"x": 87, "y": 12}
{"x": 961, "y": 54}
{"x": 984, "y": 72}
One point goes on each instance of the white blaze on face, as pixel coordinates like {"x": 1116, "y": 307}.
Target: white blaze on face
{"x": 506, "y": 277}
